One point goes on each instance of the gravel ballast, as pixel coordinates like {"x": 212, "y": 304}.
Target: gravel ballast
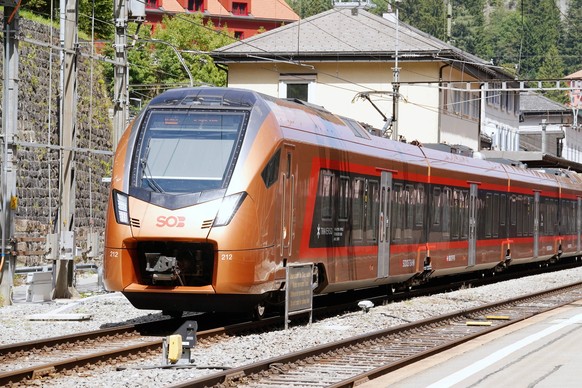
{"x": 110, "y": 309}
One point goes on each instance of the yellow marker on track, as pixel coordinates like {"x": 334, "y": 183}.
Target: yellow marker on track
{"x": 478, "y": 323}
{"x": 498, "y": 317}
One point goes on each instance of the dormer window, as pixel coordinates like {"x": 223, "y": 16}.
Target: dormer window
{"x": 239, "y": 9}
{"x": 196, "y": 5}
{"x": 152, "y": 4}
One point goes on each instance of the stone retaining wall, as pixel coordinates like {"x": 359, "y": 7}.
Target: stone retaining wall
{"x": 37, "y": 186}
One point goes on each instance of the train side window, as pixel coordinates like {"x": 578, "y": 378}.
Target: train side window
{"x": 513, "y": 210}
{"x": 436, "y": 206}
{"x": 488, "y": 214}
{"x": 420, "y": 205}
{"x": 502, "y": 210}
{"x": 270, "y": 173}
{"x": 344, "y": 196}
{"x": 553, "y": 217}
{"x": 573, "y": 218}
{"x": 455, "y": 214}
{"x": 397, "y": 212}
{"x": 325, "y": 192}
{"x": 464, "y": 214}
{"x": 519, "y": 211}
{"x": 446, "y": 214}
{"x": 372, "y": 211}
{"x": 572, "y": 214}
{"x": 358, "y": 190}
{"x": 410, "y": 205}
{"x": 495, "y": 216}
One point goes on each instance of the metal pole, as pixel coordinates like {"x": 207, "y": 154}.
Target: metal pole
{"x": 121, "y": 69}
{"x": 9, "y": 125}
{"x": 63, "y": 273}
{"x": 544, "y": 140}
{"x": 395, "y": 81}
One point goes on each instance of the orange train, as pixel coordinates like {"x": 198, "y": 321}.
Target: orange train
{"x": 215, "y": 191}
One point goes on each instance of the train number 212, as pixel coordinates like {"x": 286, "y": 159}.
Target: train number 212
{"x": 226, "y": 256}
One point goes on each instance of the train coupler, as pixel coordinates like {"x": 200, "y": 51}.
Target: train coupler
{"x": 177, "y": 347}
{"x": 162, "y": 268}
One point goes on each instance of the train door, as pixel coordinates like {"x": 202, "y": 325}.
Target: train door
{"x": 287, "y": 205}
{"x": 384, "y": 225}
{"x": 472, "y": 254}
{"x": 578, "y": 222}
{"x": 536, "y": 224}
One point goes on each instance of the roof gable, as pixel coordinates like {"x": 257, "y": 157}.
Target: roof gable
{"x": 342, "y": 31}
{"x": 535, "y": 102}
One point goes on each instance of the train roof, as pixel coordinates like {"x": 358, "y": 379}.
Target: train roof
{"x": 210, "y": 96}
{"x": 317, "y": 120}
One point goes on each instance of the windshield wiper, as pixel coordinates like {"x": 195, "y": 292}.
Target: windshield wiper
{"x": 147, "y": 174}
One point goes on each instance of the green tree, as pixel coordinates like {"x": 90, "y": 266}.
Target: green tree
{"x": 189, "y": 36}
{"x": 157, "y": 60}
{"x": 468, "y": 24}
{"x": 427, "y": 15}
{"x": 552, "y": 67}
{"x": 501, "y": 38}
{"x": 540, "y": 31}
{"x": 309, "y": 8}
{"x": 97, "y": 13}
{"x": 573, "y": 37}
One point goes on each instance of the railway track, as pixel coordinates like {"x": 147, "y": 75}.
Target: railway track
{"x": 51, "y": 357}
{"x": 55, "y": 357}
{"x": 349, "y": 362}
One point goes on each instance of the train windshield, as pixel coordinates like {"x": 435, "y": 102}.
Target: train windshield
{"x": 187, "y": 151}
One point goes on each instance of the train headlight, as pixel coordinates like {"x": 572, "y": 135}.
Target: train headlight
{"x": 121, "y": 206}
{"x": 228, "y": 208}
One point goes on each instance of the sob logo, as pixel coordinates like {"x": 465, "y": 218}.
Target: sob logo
{"x": 170, "y": 222}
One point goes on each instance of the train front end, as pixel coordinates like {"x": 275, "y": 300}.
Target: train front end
{"x": 172, "y": 240}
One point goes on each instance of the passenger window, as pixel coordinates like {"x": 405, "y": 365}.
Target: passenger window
{"x": 446, "y": 214}
{"x": 503, "y": 209}
{"x": 372, "y": 211}
{"x": 397, "y": 212}
{"x": 436, "y": 206}
{"x": 419, "y": 212}
{"x": 495, "y": 216}
{"x": 344, "y": 193}
{"x": 455, "y": 214}
{"x": 464, "y": 213}
{"x": 358, "y": 209}
{"x": 325, "y": 192}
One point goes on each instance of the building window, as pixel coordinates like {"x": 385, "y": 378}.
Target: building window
{"x": 239, "y": 35}
{"x": 457, "y": 101}
{"x": 297, "y": 86}
{"x": 196, "y": 5}
{"x": 239, "y": 9}
{"x": 476, "y": 105}
{"x": 152, "y": 4}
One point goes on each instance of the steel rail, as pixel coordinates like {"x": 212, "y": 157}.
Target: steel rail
{"x": 234, "y": 375}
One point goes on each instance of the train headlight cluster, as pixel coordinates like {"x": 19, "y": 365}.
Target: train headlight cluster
{"x": 228, "y": 208}
{"x": 120, "y": 203}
